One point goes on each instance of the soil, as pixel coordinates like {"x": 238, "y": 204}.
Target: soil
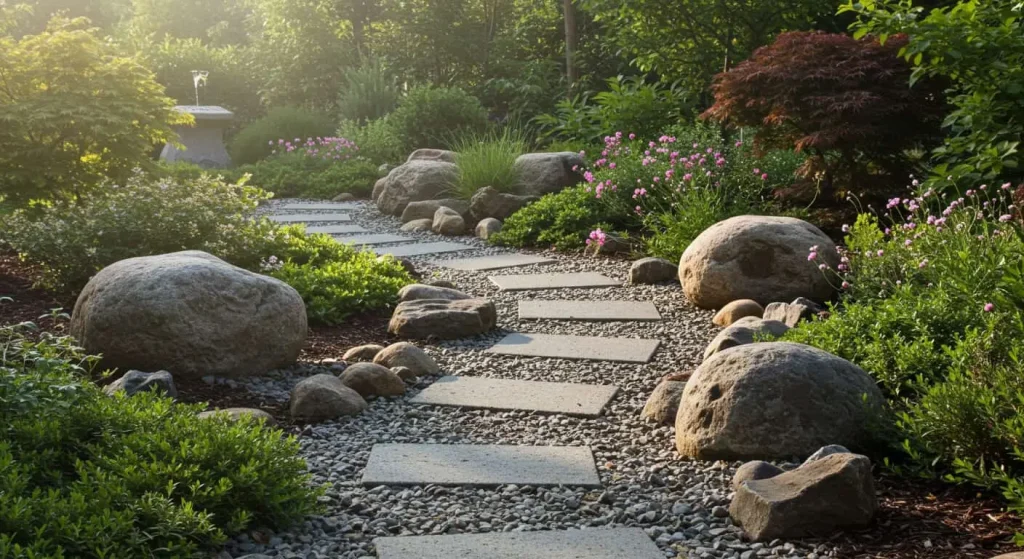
{"x": 916, "y": 519}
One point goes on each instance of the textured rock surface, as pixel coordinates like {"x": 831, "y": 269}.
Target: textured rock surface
{"x": 323, "y": 397}
{"x": 652, "y": 270}
{"x": 490, "y": 202}
{"x": 427, "y": 154}
{"x": 404, "y": 354}
{"x": 370, "y": 379}
{"x": 448, "y": 222}
{"x": 362, "y": 353}
{"x": 235, "y": 414}
{"x": 790, "y": 314}
{"x": 815, "y": 499}
{"x": 543, "y": 173}
{"x": 419, "y": 225}
{"x": 663, "y": 404}
{"x": 443, "y": 320}
{"x": 487, "y": 227}
{"x": 763, "y": 258}
{"x": 744, "y": 331}
{"x": 133, "y": 382}
{"x": 378, "y": 187}
{"x": 425, "y": 209}
{"x": 756, "y": 469}
{"x": 418, "y": 291}
{"x": 736, "y": 310}
{"x": 828, "y": 450}
{"x": 414, "y": 181}
{"x": 189, "y": 313}
{"x": 775, "y": 400}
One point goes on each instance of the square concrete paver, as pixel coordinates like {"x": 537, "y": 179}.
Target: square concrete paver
{"x": 309, "y": 218}
{"x": 503, "y": 394}
{"x": 380, "y": 239}
{"x": 480, "y": 465}
{"x": 553, "y": 281}
{"x": 628, "y": 350}
{"x": 493, "y": 262}
{"x": 320, "y": 206}
{"x": 589, "y": 310}
{"x": 420, "y": 249}
{"x": 599, "y": 543}
{"x": 335, "y": 229}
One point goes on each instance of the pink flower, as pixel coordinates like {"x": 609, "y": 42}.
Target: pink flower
{"x": 989, "y": 307}
{"x": 923, "y": 263}
{"x": 846, "y": 228}
{"x": 846, "y": 285}
{"x": 812, "y": 256}
{"x": 764, "y": 176}
{"x": 1005, "y": 217}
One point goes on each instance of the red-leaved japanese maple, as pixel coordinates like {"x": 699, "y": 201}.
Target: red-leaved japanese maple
{"x": 846, "y": 102}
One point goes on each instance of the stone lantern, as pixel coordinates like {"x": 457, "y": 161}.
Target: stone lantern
{"x": 204, "y": 142}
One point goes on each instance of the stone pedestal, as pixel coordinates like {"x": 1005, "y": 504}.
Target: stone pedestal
{"x": 204, "y": 142}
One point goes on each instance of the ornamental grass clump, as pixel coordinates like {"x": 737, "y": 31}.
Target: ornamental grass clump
{"x": 488, "y": 160}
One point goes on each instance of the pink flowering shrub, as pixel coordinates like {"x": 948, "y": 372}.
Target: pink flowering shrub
{"x": 931, "y": 301}
{"x": 315, "y": 167}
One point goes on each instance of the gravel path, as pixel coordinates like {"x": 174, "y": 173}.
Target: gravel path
{"x": 680, "y": 503}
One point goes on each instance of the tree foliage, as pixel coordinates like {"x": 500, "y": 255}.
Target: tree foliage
{"x": 73, "y": 111}
{"x": 826, "y": 93}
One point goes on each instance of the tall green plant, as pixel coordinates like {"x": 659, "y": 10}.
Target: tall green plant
{"x": 370, "y": 92}
{"x": 429, "y": 117}
{"x": 488, "y": 160}
{"x": 259, "y": 139}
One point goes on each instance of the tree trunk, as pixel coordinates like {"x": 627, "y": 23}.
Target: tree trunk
{"x": 570, "y": 44}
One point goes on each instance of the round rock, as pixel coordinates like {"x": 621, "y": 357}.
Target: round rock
{"x": 663, "y": 404}
{"x": 652, "y": 270}
{"x": 735, "y": 310}
{"x": 405, "y": 354}
{"x": 487, "y": 227}
{"x": 764, "y": 258}
{"x": 324, "y": 397}
{"x": 415, "y": 180}
{"x": 189, "y": 313}
{"x": 757, "y": 469}
{"x": 370, "y": 379}
{"x": 362, "y": 353}
{"x": 448, "y": 222}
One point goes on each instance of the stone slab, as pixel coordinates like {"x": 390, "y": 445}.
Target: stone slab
{"x": 310, "y": 218}
{"x": 320, "y": 206}
{"x": 502, "y": 394}
{"x": 420, "y": 249}
{"x": 493, "y": 262}
{"x": 480, "y": 465}
{"x": 383, "y": 238}
{"x": 588, "y": 310}
{"x": 553, "y": 281}
{"x": 599, "y": 543}
{"x": 627, "y": 350}
{"x": 335, "y": 229}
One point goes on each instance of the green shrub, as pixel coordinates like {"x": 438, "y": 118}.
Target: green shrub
{"x": 488, "y": 160}
{"x": 563, "y": 219}
{"x": 73, "y": 110}
{"x": 88, "y": 475}
{"x": 70, "y": 242}
{"x": 315, "y": 168}
{"x": 335, "y": 280}
{"x": 429, "y": 117}
{"x": 370, "y": 92}
{"x": 258, "y": 140}
{"x": 377, "y": 140}
{"x": 696, "y": 210}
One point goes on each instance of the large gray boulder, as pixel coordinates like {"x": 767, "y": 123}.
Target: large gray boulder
{"x": 490, "y": 202}
{"x": 189, "y": 313}
{"x": 370, "y": 379}
{"x": 427, "y": 154}
{"x": 443, "y": 320}
{"x": 414, "y": 181}
{"x": 425, "y": 209}
{"x": 448, "y": 222}
{"x": 134, "y": 382}
{"x": 543, "y": 173}
{"x": 746, "y": 330}
{"x": 815, "y": 499}
{"x": 775, "y": 400}
{"x": 323, "y": 397}
{"x": 404, "y": 354}
{"x": 764, "y": 258}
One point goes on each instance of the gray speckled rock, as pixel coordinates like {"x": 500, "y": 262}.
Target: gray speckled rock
{"x": 405, "y": 354}
{"x": 746, "y": 330}
{"x": 827, "y": 450}
{"x": 763, "y": 258}
{"x": 815, "y": 499}
{"x": 370, "y": 379}
{"x": 427, "y": 154}
{"x": 378, "y": 187}
{"x": 735, "y": 310}
{"x": 189, "y": 313}
{"x": 775, "y": 400}
{"x": 324, "y": 397}
{"x": 443, "y": 320}
{"x": 756, "y": 469}
{"x": 490, "y": 202}
{"x": 425, "y": 209}
{"x": 448, "y": 222}
{"x": 544, "y": 173}
{"x": 791, "y": 314}
{"x": 133, "y": 382}
{"x": 419, "y": 225}
{"x": 487, "y": 227}
{"x": 362, "y": 353}
{"x": 414, "y": 181}
{"x": 418, "y": 291}
{"x": 663, "y": 403}
{"x": 652, "y": 270}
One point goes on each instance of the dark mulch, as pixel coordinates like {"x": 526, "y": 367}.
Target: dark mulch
{"x": 916, "y": 519}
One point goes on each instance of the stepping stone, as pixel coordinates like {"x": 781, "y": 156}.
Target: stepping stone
{"x": 598, "y": 543}
{"x": 420, "y": 249}
{"x": 588, "y": 310}
{"x": 493, "y": 262}
{"x": 309, "y": 218}
{"x": 501, "y": 394}
{"x": 320, "y": 206}
{"x": 553, "y": 281}
{"x": 628, "y": 350}
{"x": 480, "y": 465}
{"x": 335, "y": 229}
{"x": 380, "y": 239}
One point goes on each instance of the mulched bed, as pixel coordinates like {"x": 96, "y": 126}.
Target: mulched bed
{"x": 916, "y": 519}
